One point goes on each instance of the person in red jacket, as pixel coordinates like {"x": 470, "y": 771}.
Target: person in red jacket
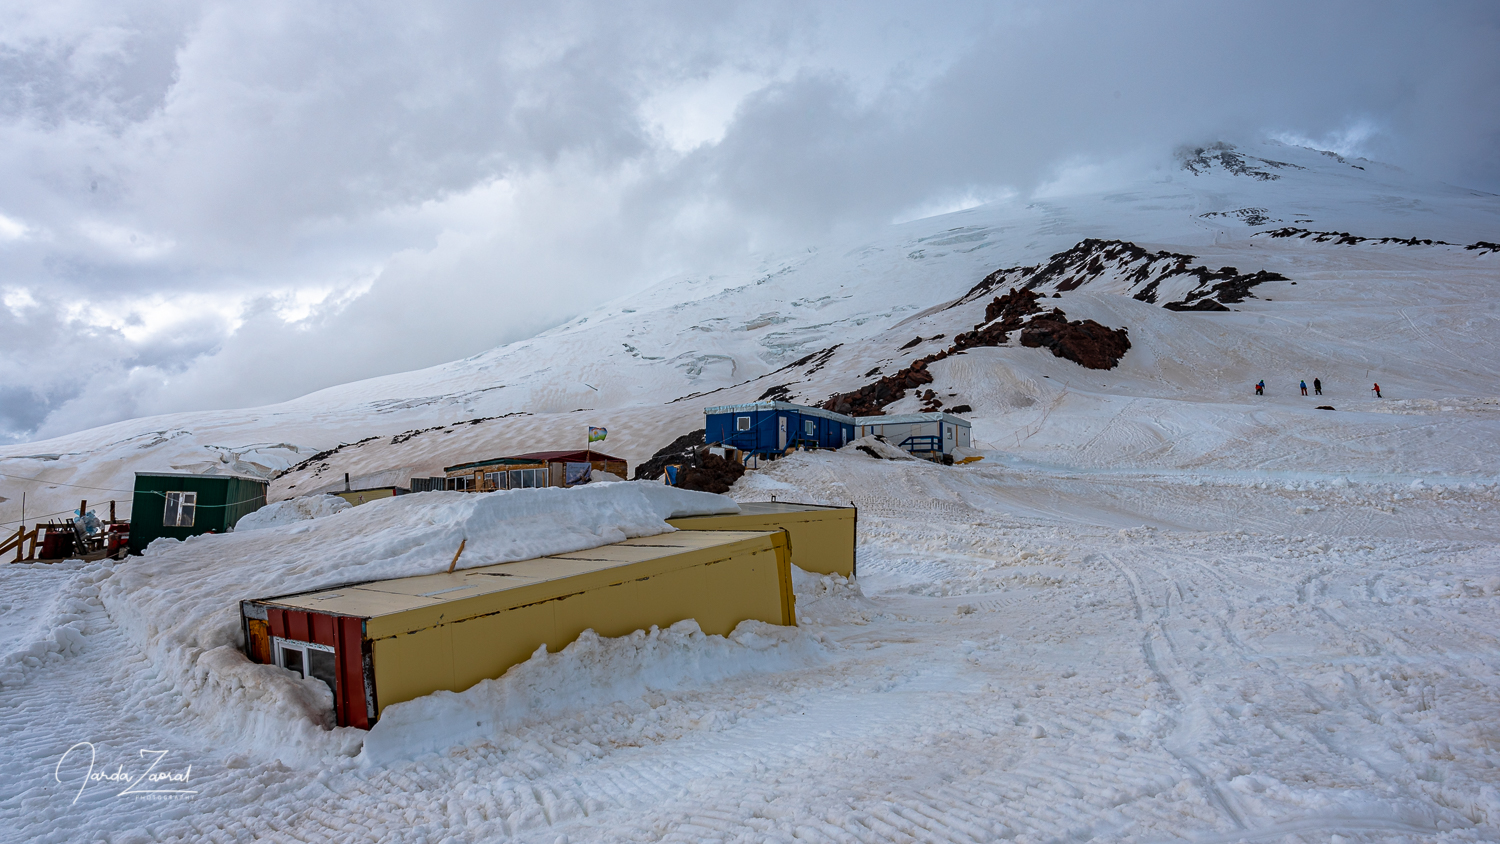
{"x": 1376, "y": 388}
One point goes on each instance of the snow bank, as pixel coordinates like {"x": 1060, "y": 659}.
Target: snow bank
{"x": 589, "y": 673}
{"x": 293, "y": 510}
{"x": 180, "y": 602}
{"x": 876, "y": 447}
{"x": 966, "y": 455}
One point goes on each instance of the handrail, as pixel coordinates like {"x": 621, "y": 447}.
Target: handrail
{"x": 18, "y": 542}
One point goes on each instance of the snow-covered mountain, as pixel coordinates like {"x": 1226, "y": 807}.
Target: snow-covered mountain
{"x": 1226, "y": 266}
{"x": 1161, "y": 608}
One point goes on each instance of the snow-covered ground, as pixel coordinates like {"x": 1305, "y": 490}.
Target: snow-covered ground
{"x": 1025, "y": 654}
{"x": 1161, "y": 608}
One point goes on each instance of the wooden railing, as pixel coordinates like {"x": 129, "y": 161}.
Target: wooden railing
{"x": 17, "y": 542}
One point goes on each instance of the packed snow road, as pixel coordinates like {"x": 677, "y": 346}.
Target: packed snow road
{"x": 1026, "y": 655}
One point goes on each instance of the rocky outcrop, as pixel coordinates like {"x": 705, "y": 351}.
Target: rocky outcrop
{"x": 1347, "y": 239}
{"x": 678, "y": 451}
{"x": 713, "y": 474}
{"x": 1200, "y": 160}
{"x": 1128, "y": 269}
{"x": 1085, "y": 342}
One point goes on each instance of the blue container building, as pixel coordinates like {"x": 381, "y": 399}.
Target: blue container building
{"x": 769, "y": 428}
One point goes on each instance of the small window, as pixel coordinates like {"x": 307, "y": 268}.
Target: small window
{"x": 181, "y": 508}
{"x": 742, "y": 423}
{"x": 810, "y": 427}
{"x": 308, "y": 660}
{"x": 494, "y": 480}
{"x": 950, "y": 433}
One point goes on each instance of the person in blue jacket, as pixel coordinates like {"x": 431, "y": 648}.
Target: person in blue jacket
{"x": 1260, "y": 388}
{"x": 1304, "y": 388}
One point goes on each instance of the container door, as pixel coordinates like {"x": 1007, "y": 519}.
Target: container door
{"x": 781, "y": 433}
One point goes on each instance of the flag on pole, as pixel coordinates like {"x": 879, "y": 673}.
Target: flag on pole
{"x": 597, "y": 434}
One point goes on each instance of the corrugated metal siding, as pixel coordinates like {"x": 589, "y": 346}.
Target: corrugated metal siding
{"x": 351, "y": 700}
{"x": 765, "y": 428}
{"x": 148, "y": 505}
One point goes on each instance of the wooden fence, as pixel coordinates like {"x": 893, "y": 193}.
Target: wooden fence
{"x": 18, "y": 542}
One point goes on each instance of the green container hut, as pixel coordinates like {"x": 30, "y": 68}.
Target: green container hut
{"x": 180, "y": 505}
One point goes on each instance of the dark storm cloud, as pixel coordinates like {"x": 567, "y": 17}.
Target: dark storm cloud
{"x": 272, "y": 184}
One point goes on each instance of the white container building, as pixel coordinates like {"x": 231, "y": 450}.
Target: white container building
{"x": 929, "y": 435}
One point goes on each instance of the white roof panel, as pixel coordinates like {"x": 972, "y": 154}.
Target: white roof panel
{"x": 914, "y": 418}
{"x": 805, "y": 410}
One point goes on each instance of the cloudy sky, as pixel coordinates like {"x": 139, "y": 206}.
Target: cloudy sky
{"x": 211, "y": 205}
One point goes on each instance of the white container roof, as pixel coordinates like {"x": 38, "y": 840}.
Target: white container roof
{"x": 805, "y": 410}
{"x": 914, "y": 418}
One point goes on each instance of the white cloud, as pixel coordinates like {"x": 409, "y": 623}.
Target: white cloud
{"x": 12, "y": 229}
{"x": 698, "y": 111}
{"x": 17, "y": 300}
{"x": 1352, "y": 140}
{"x": 189, "y": 186}
{"x": 962, "y": 200}
{"x": 126, "y": 243}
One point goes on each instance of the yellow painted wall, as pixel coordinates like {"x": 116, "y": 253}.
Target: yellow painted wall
{"x": 359, "y": 497}
{"x": 822, "y": 539}
{"x": 456, "y": 644}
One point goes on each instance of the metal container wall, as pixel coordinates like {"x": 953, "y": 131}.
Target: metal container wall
{"x": 397, "y": 640}
{"x": 823, "y": 538}
{"x": 774, "y": 427}
{"x": 221, "y": 501}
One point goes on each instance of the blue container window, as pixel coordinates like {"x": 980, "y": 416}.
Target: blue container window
{"x": 742, "y": 423}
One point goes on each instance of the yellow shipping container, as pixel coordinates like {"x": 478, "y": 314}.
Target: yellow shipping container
{"x": 363, "y": 496}
{"x": 822, "y": 537}
{"x": 389, "y": 641}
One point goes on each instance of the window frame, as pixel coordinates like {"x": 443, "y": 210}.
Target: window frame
{"x": 175, "y": 501}
{"x": 741, "y": 423}
{"x": 280, "y": 646}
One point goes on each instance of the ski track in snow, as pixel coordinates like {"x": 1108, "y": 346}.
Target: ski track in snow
{"x": 1024, "y": 658}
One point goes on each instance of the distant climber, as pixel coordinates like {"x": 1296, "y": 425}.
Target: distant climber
{"x": 1304, "y": 387}
{"x": 1376, "y": 388}
{"x": 1260, "y": 388}
{"x": 1317, "y": 387}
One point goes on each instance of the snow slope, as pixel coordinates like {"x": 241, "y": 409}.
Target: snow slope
{"x": 1416, "y": 318}
{"x": 1161, "y": 608}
